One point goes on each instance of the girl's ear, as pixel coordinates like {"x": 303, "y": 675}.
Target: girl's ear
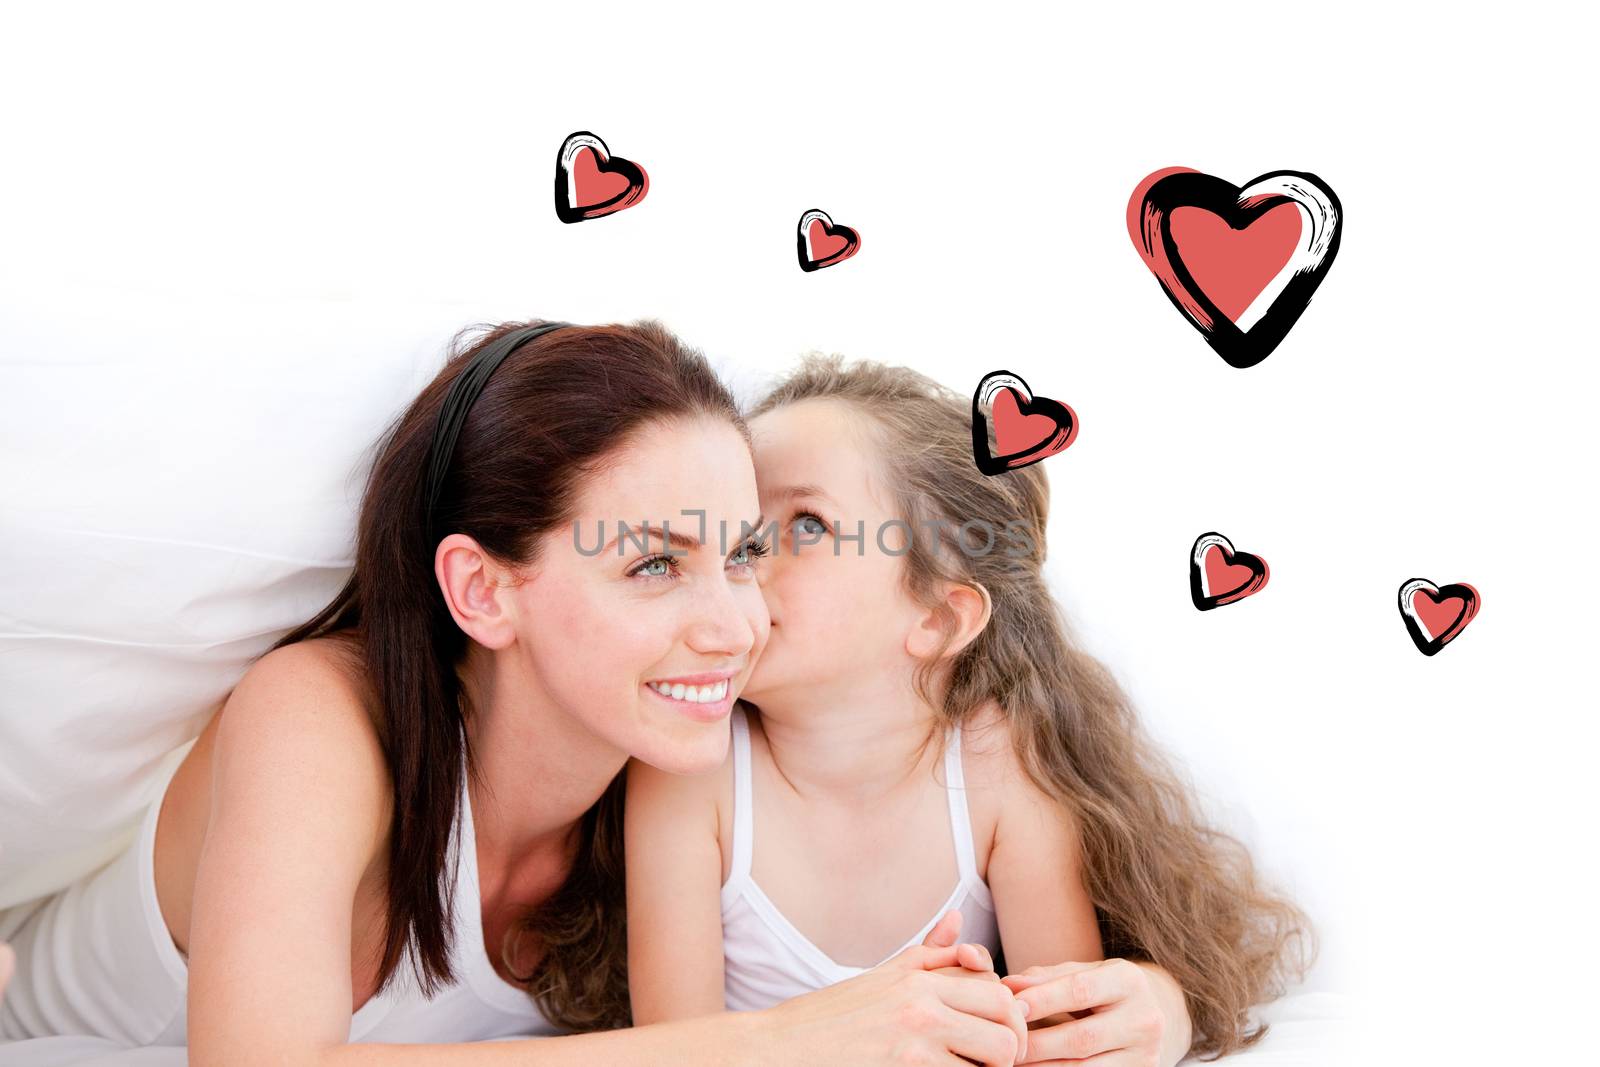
{"x": 968, "y": 605}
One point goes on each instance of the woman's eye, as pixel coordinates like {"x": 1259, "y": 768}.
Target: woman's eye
{"x": 656, "y": 567}
{"x": 748, "y": 553}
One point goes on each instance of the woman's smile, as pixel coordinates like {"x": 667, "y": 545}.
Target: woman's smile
{"x": 710, "y": 700}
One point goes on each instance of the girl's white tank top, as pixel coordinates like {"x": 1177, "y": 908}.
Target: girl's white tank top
{"x": 766, "y": 959}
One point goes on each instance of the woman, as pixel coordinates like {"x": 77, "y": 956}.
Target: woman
{"x": 456, "y": 720}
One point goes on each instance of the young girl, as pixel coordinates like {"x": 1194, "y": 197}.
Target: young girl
{"x": 920, "y": 736}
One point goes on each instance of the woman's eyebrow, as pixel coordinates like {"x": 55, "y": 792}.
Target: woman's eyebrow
{"x": 674, "y": 537}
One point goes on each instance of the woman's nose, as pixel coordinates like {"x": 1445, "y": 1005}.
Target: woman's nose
{"x": 721, "y": 625}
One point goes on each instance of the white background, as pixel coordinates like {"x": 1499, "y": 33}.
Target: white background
{"x": 1427, "y": 417}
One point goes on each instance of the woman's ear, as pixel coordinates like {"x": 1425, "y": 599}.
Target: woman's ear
{"x": 967, "y": 605}
{"x": 472, "y": 585}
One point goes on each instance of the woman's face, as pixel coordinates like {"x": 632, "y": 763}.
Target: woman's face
{"x": 647, "y": 651}
{"x": 839, "y": 615}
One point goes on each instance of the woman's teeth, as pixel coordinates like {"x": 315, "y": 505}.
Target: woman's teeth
{"x": 694, "y": 694}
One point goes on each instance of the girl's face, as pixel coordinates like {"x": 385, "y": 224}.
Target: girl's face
{"x": 838, "y": 612}
{"x": 647, "y": 650}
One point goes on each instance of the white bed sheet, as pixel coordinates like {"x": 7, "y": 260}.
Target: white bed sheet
{"x": 1308, "y": 1029}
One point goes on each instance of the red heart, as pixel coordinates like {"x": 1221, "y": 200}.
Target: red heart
{"x": 1437, "y": 616}
{"x": 1232, "y": 266}
{"x": 1223, "y": 577}
{"x": 1015, "y": 432}
{"x": 595, "y": 186}
{"x": 823, "y": 244}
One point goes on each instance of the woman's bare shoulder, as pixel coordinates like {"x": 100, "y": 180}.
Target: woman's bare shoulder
{"x": 296, "y": 717}
{"x": 313, "y": 694}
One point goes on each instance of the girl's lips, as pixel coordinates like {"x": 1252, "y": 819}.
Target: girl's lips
{"x": 711, "y": 712}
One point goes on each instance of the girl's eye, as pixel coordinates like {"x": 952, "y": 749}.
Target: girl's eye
{"x": 656, "y": 567}
{"x": 799, "y": 524}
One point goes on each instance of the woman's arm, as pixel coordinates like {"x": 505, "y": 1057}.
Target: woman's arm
{"x": 900, "y": 1012}
{"x": 674, "y": 865}
{"x": 299, "y": 810}
{"x": 299, "y": 802}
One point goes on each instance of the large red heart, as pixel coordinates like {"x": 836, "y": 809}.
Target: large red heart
{"x": 1240, "y": 262}
{"x": 1232, "y": 266}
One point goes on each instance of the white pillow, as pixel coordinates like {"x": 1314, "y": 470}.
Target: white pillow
{"x": 179, "y": 483}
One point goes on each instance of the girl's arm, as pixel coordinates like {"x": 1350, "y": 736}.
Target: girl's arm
{"x": 674, "y": 865}
{"x": 1051, "y": 938}
{"x": 1035, "y": 877}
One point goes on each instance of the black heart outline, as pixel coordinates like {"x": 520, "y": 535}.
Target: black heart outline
{"x": 638, "y": 183}
{"x": 832, "y": 229}
{"x": 1238, "y": 348}
{"x": 1258, "y": 568}
{"x": 1064, "y": 417}
{"x": 1470, "y": 601}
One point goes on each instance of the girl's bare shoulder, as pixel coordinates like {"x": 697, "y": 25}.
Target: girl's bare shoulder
{"x": 989, "y": 745}
{"x": 996, "y": 779}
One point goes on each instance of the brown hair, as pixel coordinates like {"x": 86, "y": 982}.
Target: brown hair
{"x": 553, "y": 413}
{"x": 1166, "y": 886}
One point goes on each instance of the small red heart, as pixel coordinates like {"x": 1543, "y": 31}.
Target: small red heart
{"x": 595, "y": 186}
{"x": 1437, "y": 615}
{"x": 823, "y": 244}
{"x": 1221, "y": 574}
{"x": 591, "y": 183}
{"x": 1232, "y": 266}
{"x": 1223, "y": 577}
{"x": 1015, "y": 432}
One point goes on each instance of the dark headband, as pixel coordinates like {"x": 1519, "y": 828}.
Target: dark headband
{"x": 463, "y": 391}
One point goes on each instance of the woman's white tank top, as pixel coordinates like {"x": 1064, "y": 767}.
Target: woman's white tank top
{"x": 96, "y": 958}
{"x": 766, "y": 959}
